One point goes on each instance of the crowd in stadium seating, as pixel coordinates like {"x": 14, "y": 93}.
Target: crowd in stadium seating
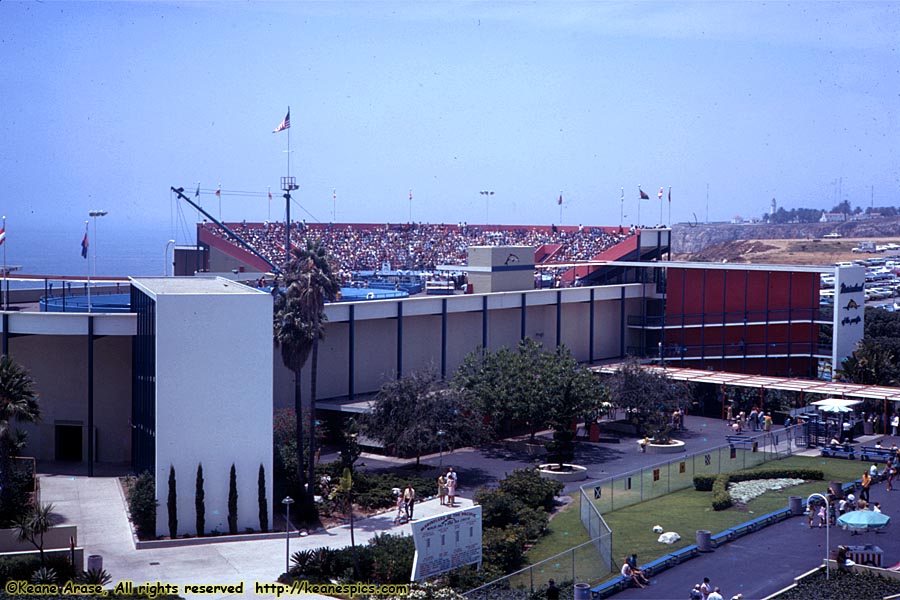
{"x": 423, "y": 246}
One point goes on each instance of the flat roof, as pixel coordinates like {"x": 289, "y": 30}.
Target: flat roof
{"x": 192, "y": 285}
{"x": 810, "y": 386}
{"x": 725, "y": 266}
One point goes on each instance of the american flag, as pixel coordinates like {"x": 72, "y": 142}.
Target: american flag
{"x": 84, "y": 246}
{"x": 286, "y": 124}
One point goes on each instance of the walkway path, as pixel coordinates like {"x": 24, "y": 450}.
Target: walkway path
{"x": 97, "y": 506}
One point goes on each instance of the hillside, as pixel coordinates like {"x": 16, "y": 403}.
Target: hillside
{"x": 779, "y": 244}
{"x": 690, "y": 238}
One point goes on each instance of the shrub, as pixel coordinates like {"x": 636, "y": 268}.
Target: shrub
{"x": 722, "y": 499}
{"x": 704, "y": 483}
{"x": 261, "y": 498}
{"x": 232, "y": 501}
{"x": 142, "y": 504}
{"x": 531, "y": 489}
{"x": 172, "y": 504}
{"x": 200, "y": 502}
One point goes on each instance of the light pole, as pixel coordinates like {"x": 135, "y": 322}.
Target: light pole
{"x": 94, "y": 214}
{"x": 440, "y": 435}
{"x": 827, "y": 521}
{"x": 287, "y": 532}
{"x": 486, "y": 194}
{"x": 166, "y": 260}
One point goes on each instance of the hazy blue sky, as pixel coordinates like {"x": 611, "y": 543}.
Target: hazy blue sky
{"x": 105, "y": 105}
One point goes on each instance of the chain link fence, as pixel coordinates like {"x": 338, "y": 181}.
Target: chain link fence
{"x": 578, "y": 564}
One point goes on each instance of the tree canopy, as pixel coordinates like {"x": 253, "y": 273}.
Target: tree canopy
{"x": 417, "y": 415}
{"x": 531, "y": 385}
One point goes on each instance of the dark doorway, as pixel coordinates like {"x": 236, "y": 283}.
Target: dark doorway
{"x": 68, "y": 442}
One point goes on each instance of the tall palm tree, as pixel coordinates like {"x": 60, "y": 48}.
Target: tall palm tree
{"x": 18, "y": 403}
{"x": 299, "y": 316}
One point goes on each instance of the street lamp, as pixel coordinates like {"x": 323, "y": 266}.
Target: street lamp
{"x": 827, "y": 521}
{"x": 440, "y": 435}
{"x": 486, "y": 194}
{"x": 166, "y": 260}
{"x": 287, "y": 532}
{"x": 94, "y": 214}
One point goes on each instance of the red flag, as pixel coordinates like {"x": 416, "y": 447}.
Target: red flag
{"x": 219, "y": 191}
{"x": 286, "y": 124}
{"x": 560, "y": 200}
{"x": 644, "y": 195}
{"x": 334, "y": 194}
{"x": 2, "y": 235}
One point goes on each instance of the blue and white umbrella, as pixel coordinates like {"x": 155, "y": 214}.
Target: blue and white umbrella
{"x": 863, "y": 520}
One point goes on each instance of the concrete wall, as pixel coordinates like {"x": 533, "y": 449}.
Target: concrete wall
{"x": 376, "y": 334}
{"x": 58, "y": 365}
{"x": 213, "y": 402}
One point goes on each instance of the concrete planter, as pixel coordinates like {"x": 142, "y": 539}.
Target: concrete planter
{"x": 672, "y": 447}
{"x": 571, "y": 472}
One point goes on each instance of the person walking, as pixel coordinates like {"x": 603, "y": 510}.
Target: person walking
{"x": 716, "y": 595}
{"x": 409, "y": 499}
{"x": 705, "y": 589}
{"x": 866, "y": 484}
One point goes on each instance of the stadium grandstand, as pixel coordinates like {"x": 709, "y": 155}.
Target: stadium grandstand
{"x": 357, "y": 248}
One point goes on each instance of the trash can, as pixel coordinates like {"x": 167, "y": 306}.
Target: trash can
{"x": 837, "y": 488}
{"x": 582, "y": 592}
{"x": 95, "y": 562}
{"x": 703, "y": 542}
{"x": 868, "y": 428}
{"x": 795, "y": 503}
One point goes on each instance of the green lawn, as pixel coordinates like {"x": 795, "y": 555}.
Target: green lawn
{"x": 684, "y": 511}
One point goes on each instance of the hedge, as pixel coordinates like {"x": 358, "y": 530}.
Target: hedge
{"x": 718, "y": 484}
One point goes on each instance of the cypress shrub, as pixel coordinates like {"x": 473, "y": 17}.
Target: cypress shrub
{"x": 200, "y": 502}
{"x": 232, "y": 501}
{"x": 142, "y": 505}
{"x": 261, "y": 494}
{"x": 172, "y": 504}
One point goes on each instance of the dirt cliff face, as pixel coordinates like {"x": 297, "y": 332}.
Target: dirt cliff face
{"x": 689, "y": 239}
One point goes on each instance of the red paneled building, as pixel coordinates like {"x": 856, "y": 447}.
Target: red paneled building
{"x": 762, "y": 319}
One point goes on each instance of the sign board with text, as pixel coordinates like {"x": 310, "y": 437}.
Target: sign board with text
{"x": 446, "y": 542}
{"x": 849, "y": 312}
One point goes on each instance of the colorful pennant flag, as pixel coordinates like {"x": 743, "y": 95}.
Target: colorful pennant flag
{"x": 286, "y": 124}
{"x": 660, "y": 194}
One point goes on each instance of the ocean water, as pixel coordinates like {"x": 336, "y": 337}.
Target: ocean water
{"x": 120, "y": 251}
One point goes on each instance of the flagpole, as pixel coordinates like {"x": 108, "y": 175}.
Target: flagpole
{"x": 638, "y": 224}
{"x": 622, "y": 207}
{"x": 670, "y": 207}
{"x": 5, "y": 284}
{"x": 660, "y": 206}
{"x": 89, "y": 267}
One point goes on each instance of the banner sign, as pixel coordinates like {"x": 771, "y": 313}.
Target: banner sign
{"x": 446, "y": 542}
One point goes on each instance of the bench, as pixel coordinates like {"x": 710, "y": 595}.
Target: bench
{"x": 737, "y": 439}
{"x": 876, "y": 454}
{"x": 654, "y": 567}
{"x": 684, "y": 554}
{"x": 610, "y": 587}
{"x": 838, "y": 452}
{"x": 721, "y": 538}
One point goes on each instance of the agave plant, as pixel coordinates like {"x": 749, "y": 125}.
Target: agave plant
{"x": 43, "y": 575}
{"x": 95, "y": 576}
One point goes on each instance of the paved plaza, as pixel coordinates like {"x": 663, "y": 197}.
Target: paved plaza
{"x": 755, "y": 565}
